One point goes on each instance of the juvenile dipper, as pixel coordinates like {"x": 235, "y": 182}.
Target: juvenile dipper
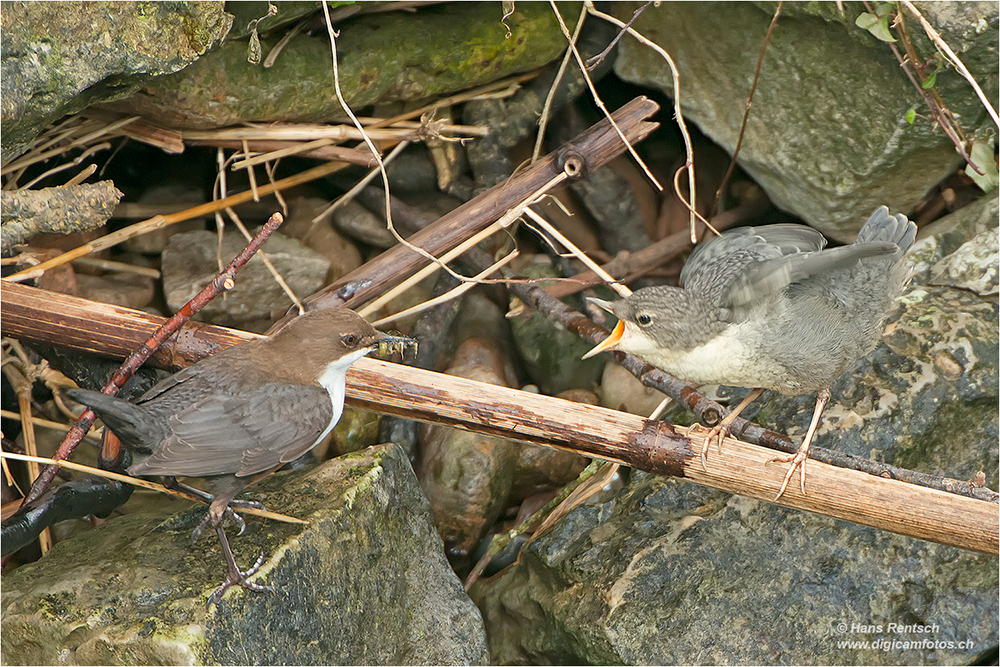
{"x": 241, "y": 413}
{"x": 769, "y": 308}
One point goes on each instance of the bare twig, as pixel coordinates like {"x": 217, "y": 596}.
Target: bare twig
{"x": 746, "y": 113}
{"x": 597, "y": 98}
{"x": 160, "y": 221}
{"x": 368, "y": 140}
{"x": 505, "y": 221}
{"x": 141, "y": 483}
{"x": 412, "y": 393}
{"x": 678, "y": 116}
{"x": 594, "y": 147}
{"x": 44, "y": 423}
{"x": 362, "y": 184}
{"x": 220, "y": 187}
{"x": 599, "y": 58}
{"x": 579, "y": 254}
{"x": 21, "y": 384}
{"x": 544, "y": 118}
{"x": 911, "y": 64}
{"x": 450, "y": 294}
{"x": 955, "y": 60}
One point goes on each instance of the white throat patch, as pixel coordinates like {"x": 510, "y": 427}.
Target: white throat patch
{"x": 334, "y": 380}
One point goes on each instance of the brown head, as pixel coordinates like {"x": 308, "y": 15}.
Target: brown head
{"x": 308, "y": 344}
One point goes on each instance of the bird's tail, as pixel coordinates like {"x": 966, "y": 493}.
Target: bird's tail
{"x": 128, "y": 421}
{"x": 883, "y": 227}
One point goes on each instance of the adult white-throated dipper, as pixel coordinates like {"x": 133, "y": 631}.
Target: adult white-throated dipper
{"x": 241, "y": 413}
{"x": 769, "y": 308}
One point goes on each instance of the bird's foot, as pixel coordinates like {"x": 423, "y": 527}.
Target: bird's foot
{"x": 797, "y": 460}
{"x": 717, "y": 433}
{"x": 237, "y": 578}
{"x": 228, "y": 514}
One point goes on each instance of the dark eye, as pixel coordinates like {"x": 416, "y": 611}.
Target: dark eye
{"x": 350, "y": 340}
{"x": 643, "y": 319}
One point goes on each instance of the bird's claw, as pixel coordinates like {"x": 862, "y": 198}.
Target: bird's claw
{"x": 717, "y": 432}
{"x": 228, "y": 514}
{"x": 237, "y": 578}
{"x": 797, "y": 460}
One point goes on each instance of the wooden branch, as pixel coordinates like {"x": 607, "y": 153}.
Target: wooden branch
{"x": 906, "y": 509}
{"x": 596, "y": 146}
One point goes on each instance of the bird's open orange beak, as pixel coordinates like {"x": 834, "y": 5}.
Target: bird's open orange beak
{"x": 608, "y": 343}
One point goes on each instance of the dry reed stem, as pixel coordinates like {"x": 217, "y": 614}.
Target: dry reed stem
{"x": 142, "y": 483}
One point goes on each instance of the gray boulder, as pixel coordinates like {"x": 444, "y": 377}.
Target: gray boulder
{"x": 826, "y": 136}
{"x": 365, "y": 582}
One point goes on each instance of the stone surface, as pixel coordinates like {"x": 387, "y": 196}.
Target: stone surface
{"x": 190, "y": 261}
{"x": 671, "y": 573}
{"x": 357, "y": 222}
{"x": 620, "y": 390}
{"x": 467, "y": 476}
{"x": 826, "y": 137}
{"x": 435, "y": 51}
{"x": 364, "y": 582}
{"x": 59, "y": 57}
{"x": 320, "y": 236}
{"x": 128, "y": 290}
{"x": 551, "y": 354}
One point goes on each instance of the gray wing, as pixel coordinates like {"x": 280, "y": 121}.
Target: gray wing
{"x": 716, "y": 265}
{"x": 218, "y": 364}
{"x": 765, "y": 278}
{"x": 241, "y": 434}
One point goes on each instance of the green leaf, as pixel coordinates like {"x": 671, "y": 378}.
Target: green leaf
{"x": 881, "y": 31}
{"x": 877, "y": 26}
{"x": 866, "y": 21}
{"x": 910, "y": 116}
{"x": 982, "y": 156}
{"x": 929, "y": 81}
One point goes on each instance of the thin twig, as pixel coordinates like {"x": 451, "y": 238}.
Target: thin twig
{"x": 543, "y": 120}
{"x": 367, "y": 139}
{"x": 450, "y": 294}
{"x": 579, "y": 254}
{"x": 220, "y": 186}
{"x": 505, "y": 221}
{"x": 597, "y": 98}
{"x": 599, "y": 58}
{"x": 44, "y": 423}
{"x": 117, "y": 267}
{"x": 678, "y": 116}
{"x": 360, "y": 185}
{"x": 142, "y": 483}
{"x": 955, "y": 60}
{"x": 746, "y": 112}
{"x": 500, "y": 541}
{"x": 67, "y": 165}
{"x": 161, "y": 221}
{"x": 911, "y": 65}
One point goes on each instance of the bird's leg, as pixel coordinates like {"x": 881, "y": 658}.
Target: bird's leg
{"x": 721, "y": 430}
{"x": 208, "y": 497}
{"x": 217, "y": 512}
{"x": 798, "y": 459}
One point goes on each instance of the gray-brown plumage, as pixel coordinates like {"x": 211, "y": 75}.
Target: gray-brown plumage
{"x": 242, "y": 412}
{"x": 769, "y": 308}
